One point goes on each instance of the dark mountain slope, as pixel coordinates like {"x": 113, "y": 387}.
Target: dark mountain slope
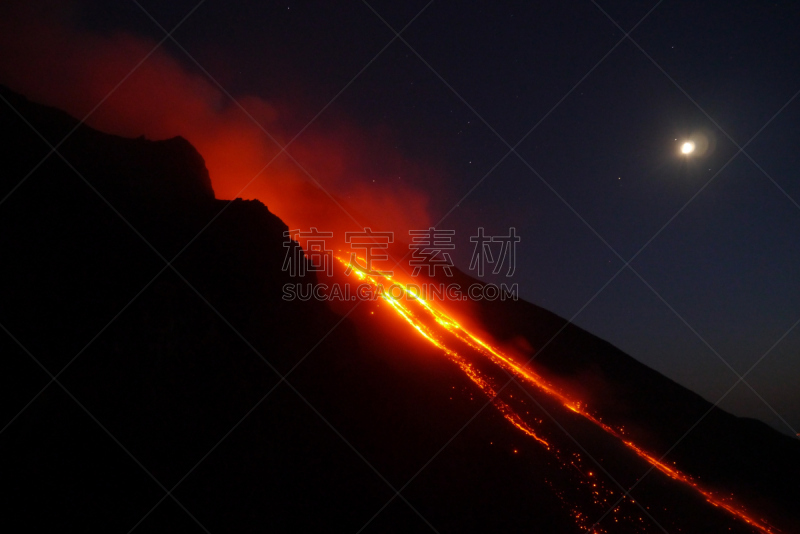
{"x": 171, "y": 376}
{"x": 173, "y": 370}
{"x": 741, "y": 455}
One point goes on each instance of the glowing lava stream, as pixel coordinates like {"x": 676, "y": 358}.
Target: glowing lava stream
{"x": 506, "y": 362}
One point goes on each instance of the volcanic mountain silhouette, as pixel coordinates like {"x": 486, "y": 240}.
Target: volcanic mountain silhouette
{"x": 144, "y": 353}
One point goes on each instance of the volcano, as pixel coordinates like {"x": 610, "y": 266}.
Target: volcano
{"x": 156, "y": 379}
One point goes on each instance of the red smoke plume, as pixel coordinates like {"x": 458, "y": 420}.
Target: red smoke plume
{"x": 45, "y": 57}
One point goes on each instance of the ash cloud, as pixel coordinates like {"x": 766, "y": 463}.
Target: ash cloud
{"x": 49, "y": 59}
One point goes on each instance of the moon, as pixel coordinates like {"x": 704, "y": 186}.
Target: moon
{"x": 687, "y": 147}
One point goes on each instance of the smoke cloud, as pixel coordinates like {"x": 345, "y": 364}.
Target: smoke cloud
{"x": 47, "y": 58}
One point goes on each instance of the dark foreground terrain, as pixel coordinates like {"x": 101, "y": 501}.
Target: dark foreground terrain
{"x": 142, "y": 373}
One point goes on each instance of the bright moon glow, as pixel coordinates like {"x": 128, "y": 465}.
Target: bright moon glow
{"x": 688, "y": 147}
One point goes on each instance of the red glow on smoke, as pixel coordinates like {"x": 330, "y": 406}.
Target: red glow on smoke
{"x": 48, "y": 60}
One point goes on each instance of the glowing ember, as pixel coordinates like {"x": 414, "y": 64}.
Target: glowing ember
{"x": 420, "y": 321}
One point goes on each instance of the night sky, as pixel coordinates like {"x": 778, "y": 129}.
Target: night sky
{"x": 545, "y": 117}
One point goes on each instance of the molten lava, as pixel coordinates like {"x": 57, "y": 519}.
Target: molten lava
{"x": 444, "y": 332}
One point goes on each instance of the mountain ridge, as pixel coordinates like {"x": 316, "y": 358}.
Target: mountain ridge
{"x": 175, "y": 367}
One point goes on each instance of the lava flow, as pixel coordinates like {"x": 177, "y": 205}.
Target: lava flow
{"x": 442, "y": 331}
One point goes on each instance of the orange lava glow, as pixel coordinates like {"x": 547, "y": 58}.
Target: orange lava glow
{"x": 728, "y": 506}
{"x": 162, "y": 99}
{"x": 420, "y": 320}
{"x": 474, "y": 375}
{"x": 335, "y": 176}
